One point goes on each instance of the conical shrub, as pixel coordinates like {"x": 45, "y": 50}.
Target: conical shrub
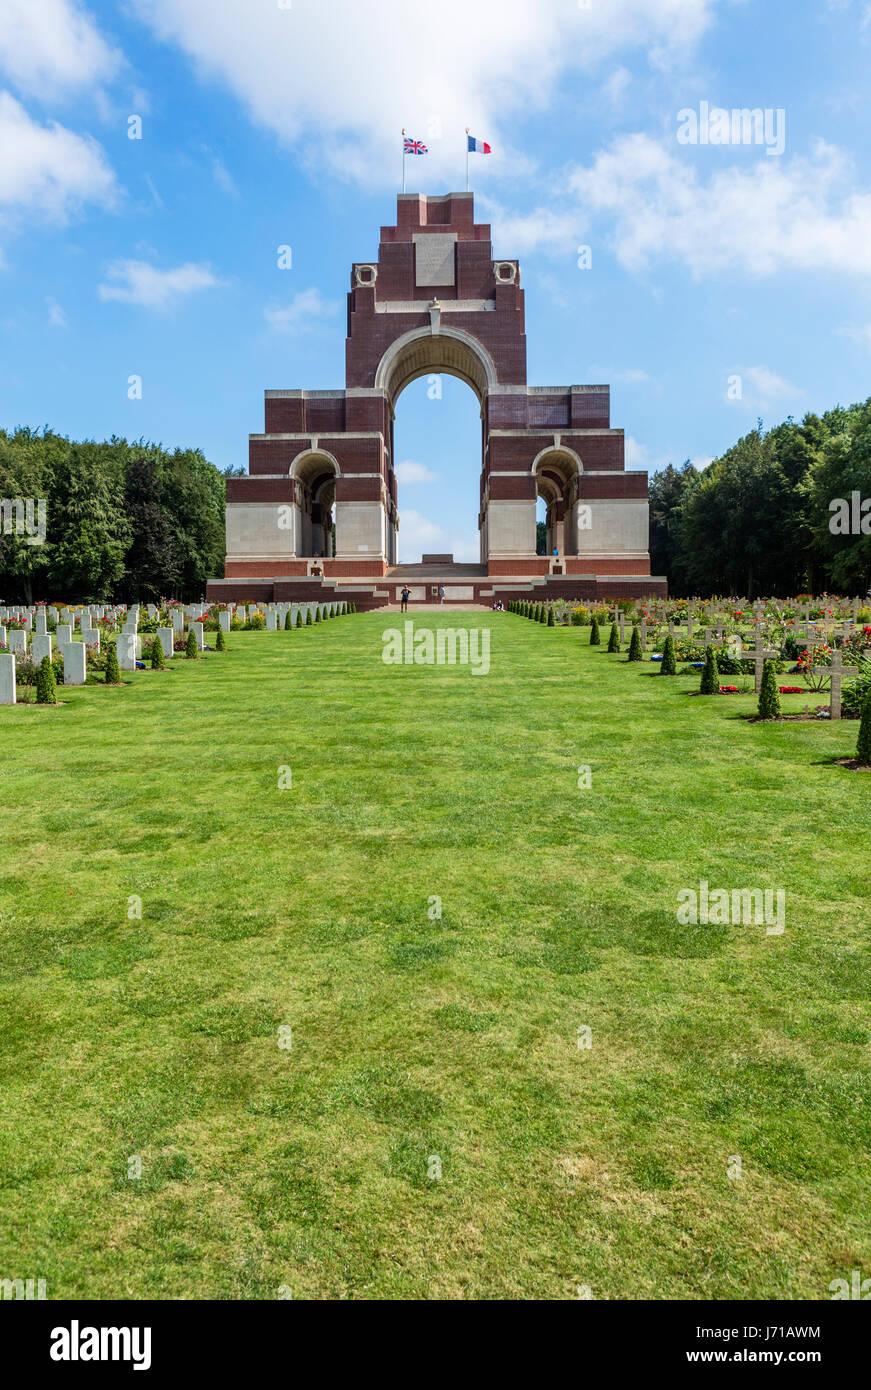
{"x": 614, "y": 639}
{"x": 635, "y": 652}
{"x": 309, "y": 620}
{"x": 220, "y": 641}
{"x": 46, "y": 685}
{"x": 551, "y": 620}
{"x": 711, "y": 675}
{"x": 157, "y": 658}
{"x": 191, "y": 649}
{"x": 595, "y": 635}
{"x": 769, "y": 695}
{"x": 288, "y": 620}
{"x": 668, "y": 666}
{"x": 113, "y": 670}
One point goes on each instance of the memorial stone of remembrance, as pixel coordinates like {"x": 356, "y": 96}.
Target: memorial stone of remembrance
{"x": 436, "y": 301}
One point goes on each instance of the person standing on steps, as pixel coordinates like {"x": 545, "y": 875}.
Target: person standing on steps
{"x": 405, "y": 596}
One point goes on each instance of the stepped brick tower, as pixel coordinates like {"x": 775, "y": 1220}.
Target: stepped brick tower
{"x": 436, "y": 301}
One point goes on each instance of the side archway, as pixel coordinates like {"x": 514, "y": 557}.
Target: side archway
{"x": 314, "y": 472}
{"x": 557, "y": 471}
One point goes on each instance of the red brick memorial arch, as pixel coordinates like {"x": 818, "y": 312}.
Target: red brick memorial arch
{"x": 436, "y": 301}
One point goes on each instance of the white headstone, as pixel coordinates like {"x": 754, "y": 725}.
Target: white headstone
{"x": 224, "y": 621}
{"x": 41, "y": 623}
{"x": 64, "y": 634}
{"x": 91, "y": 638}
{"x": 271, "y": 622}
{"x": 166, "y": 635}
{"x": 126, "y": 645}
{"x": 75, "y": 663}
{"x": 2, "y": 635}
{"x": 18, "y": 641}
{"x": 40, "y": 647}
{"x": 197, "y": 630}
{"x": 177, "y": 620}
{"x": 7, "y": 679}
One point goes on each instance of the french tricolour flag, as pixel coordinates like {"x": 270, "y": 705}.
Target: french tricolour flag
{"x": 478, "y": 146}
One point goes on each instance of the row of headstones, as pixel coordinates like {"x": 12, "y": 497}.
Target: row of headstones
{"x": 128, "y": 643}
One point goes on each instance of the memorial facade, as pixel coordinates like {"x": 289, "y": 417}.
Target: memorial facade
{"x": 436, "y": 301}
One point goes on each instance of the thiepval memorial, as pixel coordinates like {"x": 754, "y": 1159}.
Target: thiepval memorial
{"x": 436, "y": 301}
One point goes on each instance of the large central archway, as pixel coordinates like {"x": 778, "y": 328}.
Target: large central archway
{"x": 427, "y": 351}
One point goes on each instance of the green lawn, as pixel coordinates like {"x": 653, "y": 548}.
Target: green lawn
{"x": 413, "y": 1038}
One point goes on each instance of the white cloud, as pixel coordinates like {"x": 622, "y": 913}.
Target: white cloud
{"x": 762, "y": 387}
{"x": 302, "y": 313}
{"x": 410, "y": 472}
{"x": 417, "y": 534}
{"x": 617, "y": 85}
{"x": 56, "y": 316}
{"x": 525, "y": 231}
{"x": 635, "y": 454}
{"x": 340, "y": 80}
{"x": 137, "y": 282}
{"x": 798, "y": 214}
{"x": 860, "y": 333}
{"x": 223, "y": 178}
{"x": 48, "y": 169}
{"x": 52, "y": 47}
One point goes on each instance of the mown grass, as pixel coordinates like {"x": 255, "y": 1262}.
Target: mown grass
{"x": 417, "y": 1038}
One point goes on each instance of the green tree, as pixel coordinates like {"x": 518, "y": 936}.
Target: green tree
{"x": 595, "y": 636}
{"x": 113, "y": 670}
{"x": 710, "y": 676}
{"x": 149, "y": 564}
{"x": 635, "y": 651}
{"x": 220, "y": 640}
{"x": 668, "y": 665}
{"x": 288, "y": 620}
{"x": 769, "y": 694}
{"x": 668, "y": 495}
{"x": 46, "y": 686}
{"x": 157, "y": 658}
{"x": 191, "y": 650}
{"x": 87, "y": 526}
{"x": 614, "y": 639}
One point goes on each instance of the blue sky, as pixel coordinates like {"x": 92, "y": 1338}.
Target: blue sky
{"x": 269, "y": 123}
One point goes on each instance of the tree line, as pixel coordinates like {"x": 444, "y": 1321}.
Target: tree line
{"x": 124, "y": 521}
{"x": 780, "y": 513}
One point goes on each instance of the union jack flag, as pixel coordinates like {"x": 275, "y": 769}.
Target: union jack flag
{"x": 415, "y": 147}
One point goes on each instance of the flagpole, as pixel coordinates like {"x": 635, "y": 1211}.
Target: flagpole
{"x": 403, "y": 159}
{"x": 467, "y": 159}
